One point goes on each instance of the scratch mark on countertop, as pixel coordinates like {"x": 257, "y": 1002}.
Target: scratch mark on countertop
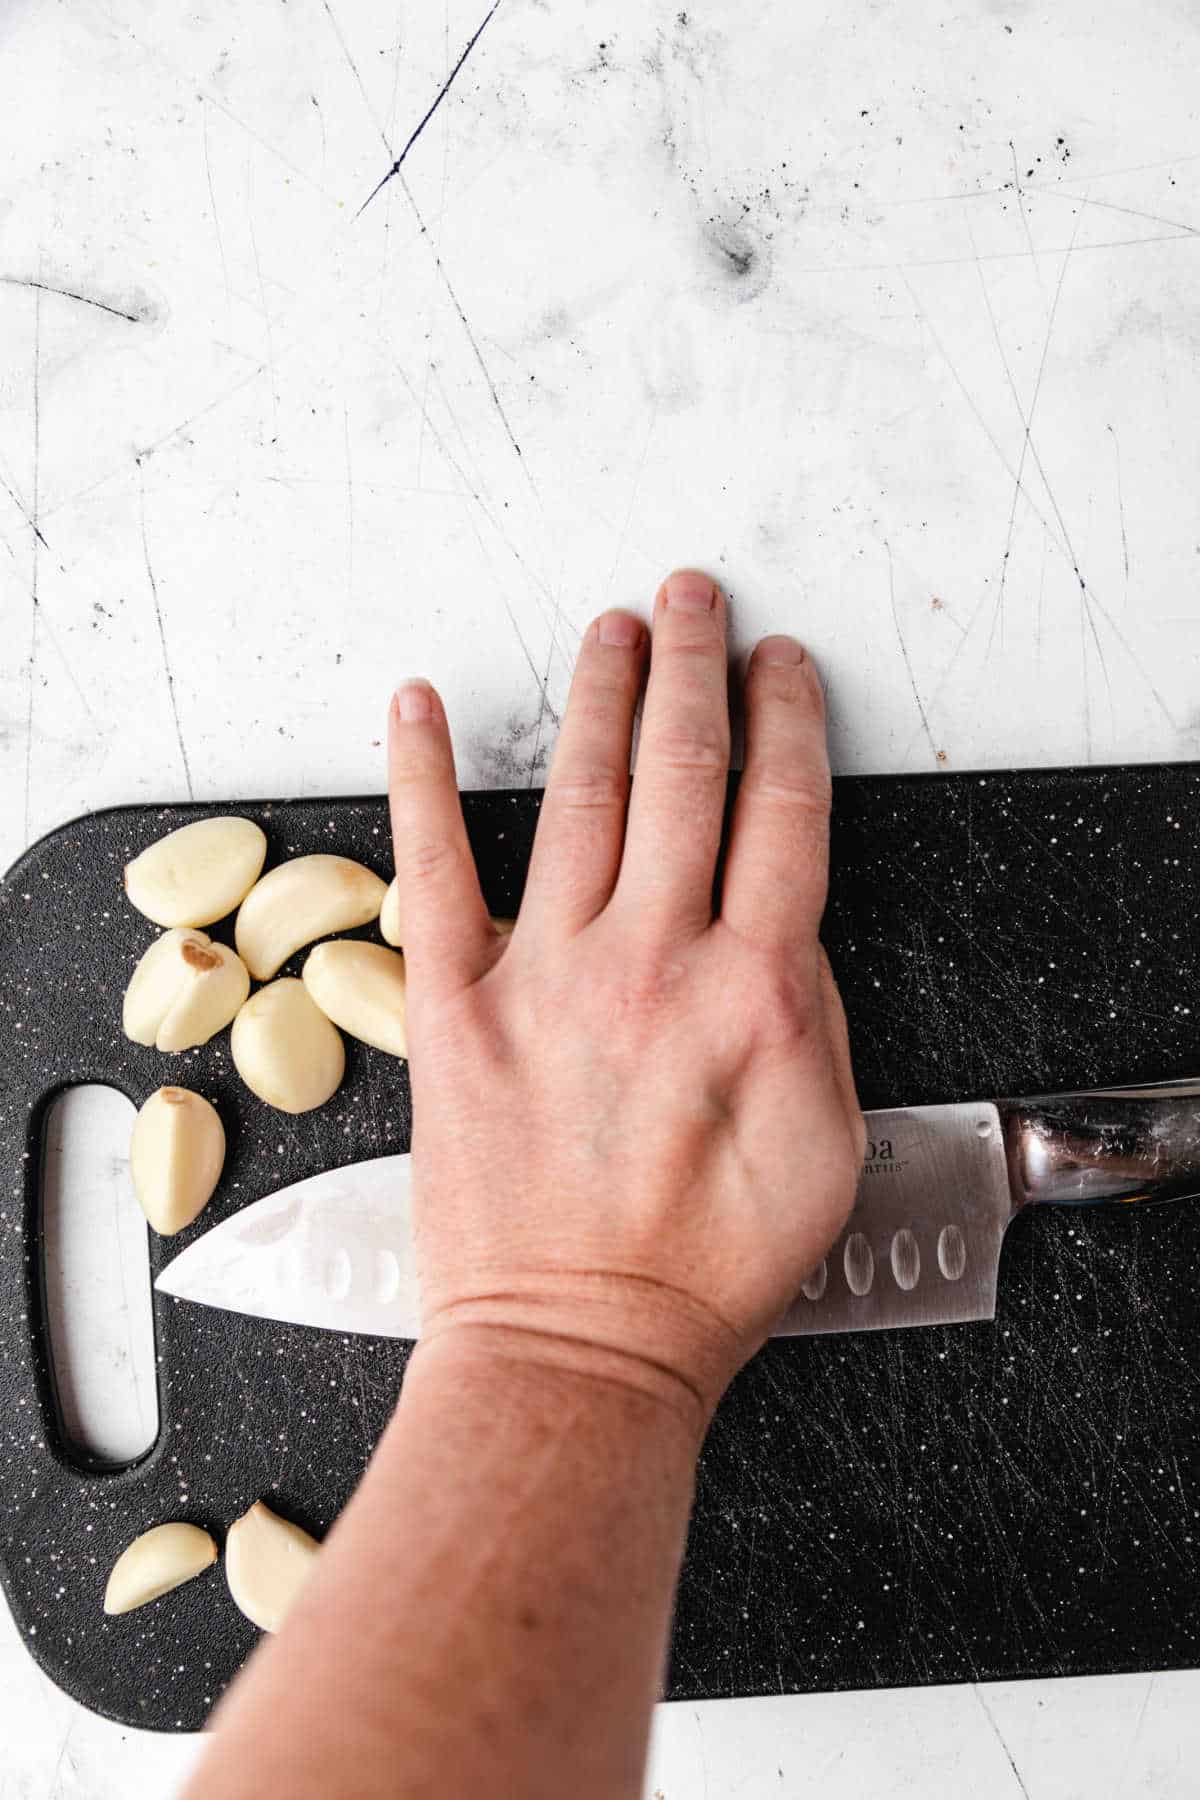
{"x": 912, "y": 680}
{"x": 1119, "y": 1788}
{"x": 212, "y": 198}
{"x": 37, "y": 543}
{"x": 162, "y": 635}
{"x": 467, "y": 328}
{"x": 24, "y": 512}
{"x": 354, "y": 69}
{"x": 268, "y": 323}
{"x": 1131, "y": 212}
{"x": 1121, "y": 511}
{"x": 47, "y": 287}
{"x": 1027, "y": 418}
{"x": 1037, "y": 267}
{"x": 1090, "y": 602}
{"x": 634, "y": 490}
{"x": 1000, "y": 1739}
{"x": 349, "y": 512}
{"x": 472, "y": 492}
{"x": 414, "y": 135}
{"x": 535, "y": 757}
{"x": 64, "y": 1755}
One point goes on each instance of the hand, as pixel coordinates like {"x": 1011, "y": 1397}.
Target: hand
{"x": 636, "y": 1129}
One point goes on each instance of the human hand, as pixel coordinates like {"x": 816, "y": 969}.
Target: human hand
{"x": 636, "y": 1128}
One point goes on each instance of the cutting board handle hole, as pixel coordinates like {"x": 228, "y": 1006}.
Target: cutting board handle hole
{"x": 96, "y": 1275}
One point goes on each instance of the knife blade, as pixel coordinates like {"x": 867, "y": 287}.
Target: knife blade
{"x": 939, "y": 1187}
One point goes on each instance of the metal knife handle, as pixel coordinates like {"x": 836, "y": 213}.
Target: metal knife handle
{"x": 1123, "y": 1144}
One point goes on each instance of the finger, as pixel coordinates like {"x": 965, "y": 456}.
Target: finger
{"x": 778, "y": 864}
{"x": 679, "y": 785}
{"x": 577, "y": 851}
{"x": 839, "y": 1037}
{"x": 448, "y": 937}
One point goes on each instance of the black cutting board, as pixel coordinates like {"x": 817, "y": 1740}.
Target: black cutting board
{"x": 983, "y": 1501}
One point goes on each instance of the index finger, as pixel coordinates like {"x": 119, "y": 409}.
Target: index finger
{"x": 777, "y": 870}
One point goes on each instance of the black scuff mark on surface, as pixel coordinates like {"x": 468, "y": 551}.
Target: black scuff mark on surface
{"x": 741, "y": 253}
{"x": 509, "y": 754}
{"x": 162, "y": 634}
{"x": 415, "y": 134}
{"x": 144, "y": 314}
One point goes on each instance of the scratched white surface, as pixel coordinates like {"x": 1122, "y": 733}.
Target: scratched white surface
{"x": 886, "y": 314}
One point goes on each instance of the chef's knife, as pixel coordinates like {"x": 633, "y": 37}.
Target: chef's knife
{"x": 939, "y": 1186}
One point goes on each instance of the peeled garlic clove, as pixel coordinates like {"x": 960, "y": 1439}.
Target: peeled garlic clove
{"x": 307, "y": 898}
{"x": 389, "y": 918}
{"x": 285, "y": 1049}
{"x": 267, "y": 1562}
{"x": 198, "y": 873}
{"x": 161, "y": 1559}
{"x": 176, "y": 1155}
{"x": 361, "y": 988}
{"x": 389, "y": 915}
{"x": 185, "y": 989}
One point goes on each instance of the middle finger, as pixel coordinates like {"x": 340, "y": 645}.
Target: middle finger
{"x": 679, "y": 785}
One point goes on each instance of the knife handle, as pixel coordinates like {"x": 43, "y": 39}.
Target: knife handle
{"x": 1124, "y": 1144}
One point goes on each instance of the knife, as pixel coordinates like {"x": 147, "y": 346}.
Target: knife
{"x": 939, "y": 1187}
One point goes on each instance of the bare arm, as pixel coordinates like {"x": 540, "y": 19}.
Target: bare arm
{"x": 610, "y": 1110}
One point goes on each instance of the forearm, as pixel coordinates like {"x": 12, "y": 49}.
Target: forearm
{"x": 490, "y": 1616}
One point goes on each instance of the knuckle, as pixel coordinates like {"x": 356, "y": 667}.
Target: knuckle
{"x": 602, "y": 787}
{"x": 696, "y": 749}
{"x": 807, "y": 793}
{"x": 427, "y": 860}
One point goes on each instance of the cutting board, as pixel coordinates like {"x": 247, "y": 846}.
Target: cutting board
{"x": 975, "y": 1502}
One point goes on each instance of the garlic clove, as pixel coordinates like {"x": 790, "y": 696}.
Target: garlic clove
{"x": 392, "y": 931}
{"x": 389, "y": 916}
{"x": 184, "y": 990}
{"x": 361, "y": 988}
{"x": 161, "y": 1559}
{"x": 176, "y": 1155}
{"x": 267, "y": 1562}
{"x": 197, "y": 874}
{"x": 285, "y": 1049}
{"x": 301, "y": 900}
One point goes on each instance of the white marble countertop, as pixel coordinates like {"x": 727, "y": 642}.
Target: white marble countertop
{"x": 885, "y": 314}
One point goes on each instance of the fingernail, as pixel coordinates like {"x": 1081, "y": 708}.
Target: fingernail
{"x": 780, "y": 653}
{"x": 414, "y": 702}
{"x": 689, "y": 591}
{"x": 620, "y": 630}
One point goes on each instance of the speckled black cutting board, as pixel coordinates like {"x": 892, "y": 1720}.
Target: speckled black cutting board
{"x": 1017, "y": 1498}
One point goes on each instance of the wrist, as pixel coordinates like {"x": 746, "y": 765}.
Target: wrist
{"x": 477, "y": 1348}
